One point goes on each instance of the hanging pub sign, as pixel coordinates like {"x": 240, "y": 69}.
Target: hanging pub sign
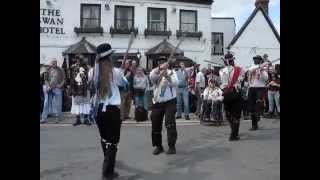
{"x": 51, "y": 21}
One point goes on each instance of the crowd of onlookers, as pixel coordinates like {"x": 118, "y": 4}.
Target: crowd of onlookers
{"x": 197, "y": 92}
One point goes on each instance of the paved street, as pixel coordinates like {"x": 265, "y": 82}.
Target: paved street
{"x": 204, "y": 153}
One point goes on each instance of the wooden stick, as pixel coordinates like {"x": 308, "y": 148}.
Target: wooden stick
{"x": 129, "y": 47}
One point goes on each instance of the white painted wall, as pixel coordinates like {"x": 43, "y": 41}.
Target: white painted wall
{"x": 228, "y": 27}
{"x": 257, "y": 39}
{"x": 52, "y": 46}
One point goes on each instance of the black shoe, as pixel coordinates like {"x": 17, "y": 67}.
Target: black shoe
{"x": 171, "y": 150}
{"x": 158, "y": 150}
{"x": 178, "y": 117}
{"x": 254, "y": 128}
{"x": 78, "y": 122}
{"x": 111, "y": 177}
{"x": 234, "y": 138}
{"x": 87, "y": 122}
{"x": 187, "y": 117}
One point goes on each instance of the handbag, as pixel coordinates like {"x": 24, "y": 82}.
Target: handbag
{"x": 230, "y": 93}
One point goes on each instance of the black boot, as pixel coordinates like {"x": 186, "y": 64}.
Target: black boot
{"x": 78, "y": 121}
{"x": 158, "y": 150}
{"x": 109, "y": 161}
{"x": 254, "y": 123}
{"x": 232, "y": 134}
{"x": 171, "y": 150}
{"x": 236, "y": 133}
{"x": 86, "y": 120}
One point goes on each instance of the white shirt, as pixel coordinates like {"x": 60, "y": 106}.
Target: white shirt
{"x": 226, "y": 75}
{"x": 170, "y": 91}
{"x": 200, "y": 79}
{"x": 212, "y": 94}
{"x": 255, "y": 80}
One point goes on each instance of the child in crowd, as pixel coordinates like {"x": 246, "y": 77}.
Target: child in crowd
{"x": 213, "y": 98}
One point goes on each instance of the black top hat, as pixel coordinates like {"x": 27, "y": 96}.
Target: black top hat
{"x": 257, "y": 57}
{"x": 229, "y": 56}
{"x": 104, "y": 50}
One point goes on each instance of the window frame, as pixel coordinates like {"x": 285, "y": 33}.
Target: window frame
{"x": 165, "y": 17}
{"x": 115, "y": 15}
{"x": 212, "y": 43}
{"x": 196, "y": 19}
{"x": 81, "y": 14}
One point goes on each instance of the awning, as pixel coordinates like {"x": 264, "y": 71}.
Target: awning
{"x": 164, "y": 48}
{"x": 81, "y": 47}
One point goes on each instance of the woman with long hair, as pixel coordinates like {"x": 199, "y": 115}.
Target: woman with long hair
{"x": 107, "y": 100}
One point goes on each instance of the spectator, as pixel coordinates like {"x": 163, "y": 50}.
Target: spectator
{"x": 92, "y": 91}
{"x": 192, "y": 88}
{"x": 182, "y": 92}
{"x": 274, "y": 93}
{"x": 140, "y": 86}
{"x": 212, "y": 99}
{"x": 200, "y": 85}
{"x": 208, "y": 73}
{"x": 126, "y": 92}
{"x": 53, "y": 92}
{"x": 244, "y": 93}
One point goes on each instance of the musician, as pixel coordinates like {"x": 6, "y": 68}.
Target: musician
{"x": 80, "y": 91}
{"x": 231, "y": 77}
{"x": 258, "y": 78}
{"x": 53, "y": 92}
{"x": 164, "y": 105}
{"x": 107, "y": 79}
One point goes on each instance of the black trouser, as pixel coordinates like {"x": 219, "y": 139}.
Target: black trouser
{"x": 245, "y": 110}
{"x": 233, "y": 114}
{"x": 166, "y": 110}
{"x": 256, "y": 104}
{"x": 109, "y": 124}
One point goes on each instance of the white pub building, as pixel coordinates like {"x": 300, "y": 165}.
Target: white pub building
{"x": 70, "y": 27}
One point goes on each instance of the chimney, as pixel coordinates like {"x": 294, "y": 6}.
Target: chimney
{"x": 264, "y": 4}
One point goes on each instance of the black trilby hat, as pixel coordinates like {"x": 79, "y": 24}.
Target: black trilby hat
{"x": 257, "y": 57}
{"x": 104, "y": 50}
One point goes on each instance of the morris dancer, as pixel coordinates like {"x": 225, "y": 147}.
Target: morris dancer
{"x": 258, "y": 78}
{"x": 107, "y": 79}
{"x": 231, "y": 77}
{"x": 164, "y": 105}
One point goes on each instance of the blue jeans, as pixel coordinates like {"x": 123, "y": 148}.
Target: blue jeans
{"x": 52, "y": 103}
{"x": 141, "y": 101}
{"x": 182, "y": 95}
{"x": 274, "y": 96}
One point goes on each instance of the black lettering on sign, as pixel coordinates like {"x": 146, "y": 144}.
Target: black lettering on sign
{"x": 57, "y": 12}
{"x": 44, "y": 30}
{"x": 51, "y": 12}
{"x": 59, "y": 21}
{"x": 52, "y": 21}
{"x": 46, "y": 20}
{"x": 51, "y": 30}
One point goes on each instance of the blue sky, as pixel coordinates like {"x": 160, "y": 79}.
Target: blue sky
{"x": 241, "y": 10}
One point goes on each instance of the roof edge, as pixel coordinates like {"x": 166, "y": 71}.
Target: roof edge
{"x": 244, "y": 26}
